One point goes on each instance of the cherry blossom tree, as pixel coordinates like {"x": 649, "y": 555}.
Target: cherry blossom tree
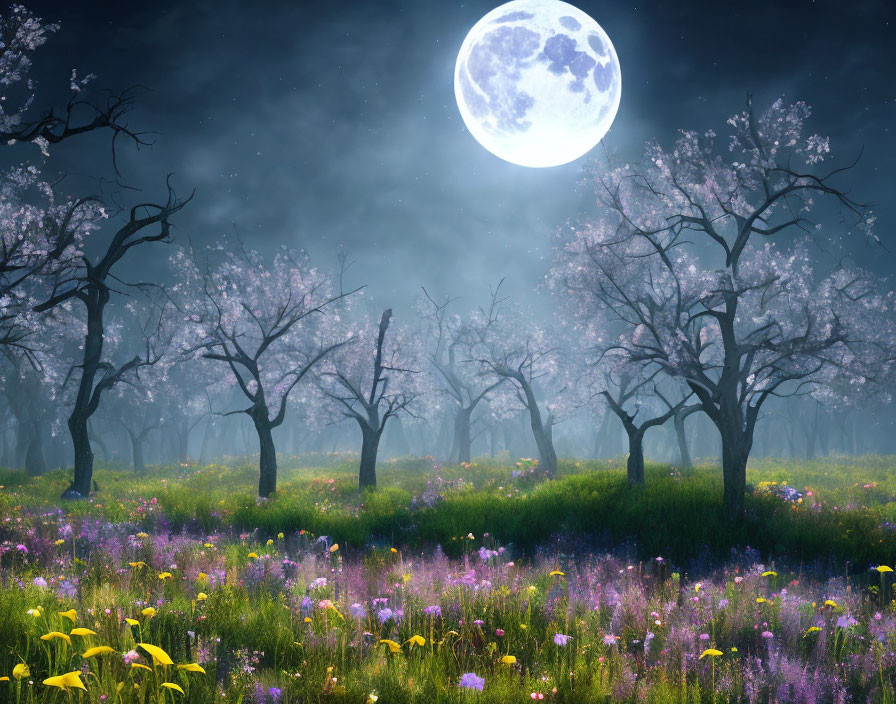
{"x": 379, "y": 375}
{"x": 269, "y": 324}
{"x": 687, "y": 253}
{"x": 449, "y": 338}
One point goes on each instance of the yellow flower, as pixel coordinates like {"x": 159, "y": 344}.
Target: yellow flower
{"x": 307, "y": 619}
{"x": 416, "y": 640}
{"x": 208, "y": 545}
{"x": 21, "y": 670}
{"x": 883, "y": 568}
{"x": 712, "y": 652}
{"x": 334, "y": 547}
{"x": 56, "y": 634}
{"x": 280, "y": 536}
{"x": 769, "y": 573}
{"x": 71, "y": 614}
{"x": 37, "y": 612}
{"x": 812, "y": 629}
{"x": 82, "y": 632}
{"x": 393, "y": 646}
{"x": 98, "y": 650}
{"x": 165, "y": 575}
{"x": 137, "y": 564}
{"x": 201, "y": 596}
{"x": 149, "y": 612}
{"x": 392, "y": 550}
{"x": 372, "y": 698}
{"x": 406, "y": 578}
{"x": 509, "y": 660}
{"x": 760, "y": 600}
{"x": 202, "y": 577}
{"x": 140, "y": 666}
{"x": 70, "y": 680}
{"x": 831, "y": 603}
{"x": 171, "y": 685}
{"x": 132, "y": 622}
{"x": 523, "y": 626}
{"x": 733, "y": 649}
{"x": 192, "y": 667}
{"x": 60, "y": 542}
{"x": 532, "y": 588}
{"x": 253, "y": 555}
{"x": 557, "y": 573}
{"x": 159, "y": 656}
{"x": 141, "y": 534}
{"x": 4, "y": 679}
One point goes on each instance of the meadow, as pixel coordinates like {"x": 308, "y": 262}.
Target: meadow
{"x": 479, "y": 582}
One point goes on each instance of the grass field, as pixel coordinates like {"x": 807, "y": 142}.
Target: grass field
{"x": 450, "y": 584}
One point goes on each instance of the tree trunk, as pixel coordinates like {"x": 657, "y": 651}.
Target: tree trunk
{"x": 684, "y": 454}
{"x": 35, "y": 463}
{"x": 80, "y": 486}
{"x": 635, "y": 466}
{"x": 462, "y": 441}
{"x": 736, "y": 445}
{"x": 370, "y": 442}
{"x": 137, "y": 451}
{"x": 267, "y": 460}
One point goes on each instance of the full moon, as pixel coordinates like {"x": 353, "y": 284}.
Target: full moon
{"x": 537, "y": 82}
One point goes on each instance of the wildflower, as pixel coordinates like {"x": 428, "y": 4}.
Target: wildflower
{"x": 71, "y": 614}
{"x": 252, "y": 556}
{"x": 883, "y": 568}
{"x": 201, "y": 596}
{"x": 610, "y": 639}
{"x": 393, "y": 550}
{"x": 391, "y": 644}
{"x": 357, "y": 610}
{"x": 769, "y": 573}
{"x": 82, "y": 632}
{"x": 270, "y": 542}
{"x": 172, "y": 686}
{"x": 767, "y": 635}
{"x": 416, "y": 640}
{"x": 508, "y": 660}
{"x": 738, "y": 580}
{"x": 149, "y": 612}
{"x": 470, "y": 680}
{"x": 165, "y": 575}
{"x": 557, "y": 573}
{"x": 60, "y": 541}
{"x": 39, "y": 582}
{"x": 372, "y": 698}
{"x": 561, "y": 639}
{"x": 132, "y": 622}
{"x": 191, "y": 667}
{"x": 141, "y": 535}
{"x": 845, "y": 621}
{"x": 20, "y": 671}
{"x": 433, "y": 610}
{"x": 812, "y": 629}
{"x": 56, "y": 634}
{"x": 334, "y": 547}
{"x": 831, "y": 603}
{"x": 711, "y": 652}
{"x": 499, "y": 632}
{"x": 68, "y": 681}
{"x": 98, "y": 650}
{"x": 536, "y": 696}
{"x": 275, "y": 692}
{"x": 384, "y": 615}
{"x": 159, "y": 656}
{"x": 704, "y": 636}
{"x": 130, "y": 657}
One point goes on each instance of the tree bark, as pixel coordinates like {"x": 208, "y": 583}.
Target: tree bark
{"x": 370, "y": 442}
{"x": 80, "y": 486}
{"x": 35, "y": 462}
{"x": 267, "y": 459}
{"x": 635, "y": 466}
{"x": 684, "y": 454}
{"x": 462, "y": 441}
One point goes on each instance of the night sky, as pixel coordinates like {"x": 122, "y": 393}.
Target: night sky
{"x": 330, "y": 124}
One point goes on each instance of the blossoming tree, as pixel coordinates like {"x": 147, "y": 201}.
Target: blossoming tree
{"x": 270, "y": 324}
{"x": 687, "y": 253}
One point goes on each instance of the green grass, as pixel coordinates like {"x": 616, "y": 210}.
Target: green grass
{"x": 678, "y": 517}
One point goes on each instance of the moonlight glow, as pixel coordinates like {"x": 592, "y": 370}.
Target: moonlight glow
{"x": 537, "y": 82}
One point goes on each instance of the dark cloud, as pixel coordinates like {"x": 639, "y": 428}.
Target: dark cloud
{"x": 322, "y": 125}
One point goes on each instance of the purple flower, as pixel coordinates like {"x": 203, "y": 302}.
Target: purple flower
{"x": 845, "y": 621}
{"x": 433, "y": 610}
{"x": 723, "y": 603}
{"x": 22, "y": 549}
{"x": 384, "y": 615}
{"x": 499, "y": 632}
{"x": 478, "y": 622}
{"x": 470, "y": 680}
{"x": 704, "y": 636}
{"x": 767, "y": 634}
{"x": 357, "y": 610}
{"x": 609, "y": 639}
{"x": 561, "y": 639}
{"x": 40, "y": 582}
{"x": 275, "y": 693}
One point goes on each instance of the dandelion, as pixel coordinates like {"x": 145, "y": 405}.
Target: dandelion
{"x": 470, "y": 680}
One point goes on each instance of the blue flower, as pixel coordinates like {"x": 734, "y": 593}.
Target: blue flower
{"x": 471, "y": 680}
